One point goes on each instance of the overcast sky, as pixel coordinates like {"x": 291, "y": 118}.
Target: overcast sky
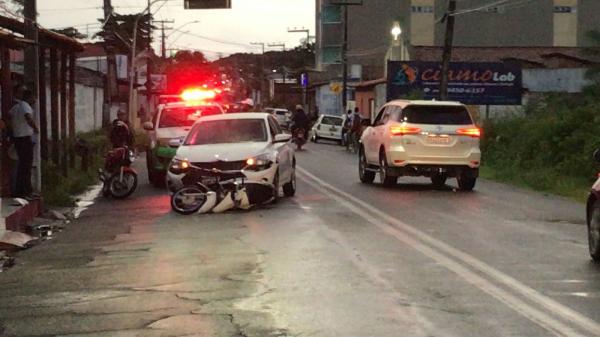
{"x": 248, "y": 21}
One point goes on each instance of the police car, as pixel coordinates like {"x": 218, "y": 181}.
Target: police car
{"x": 173, "y": 120}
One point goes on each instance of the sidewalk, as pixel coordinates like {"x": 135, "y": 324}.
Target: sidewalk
{"x": 15, "y": 217}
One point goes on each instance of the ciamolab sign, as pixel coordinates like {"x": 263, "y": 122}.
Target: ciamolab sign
{"x": 469, "y": 83}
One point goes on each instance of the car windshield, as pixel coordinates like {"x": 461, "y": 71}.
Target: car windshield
{"x": 281, "y": 112}
{"x": 228, "y": 131}
{"x": 332, "y": 121}
{"x": 185, "y": 116}
{"x": 435, "y": 114}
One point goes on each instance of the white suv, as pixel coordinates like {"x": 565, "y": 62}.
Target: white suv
{"x": 421, "y": 138}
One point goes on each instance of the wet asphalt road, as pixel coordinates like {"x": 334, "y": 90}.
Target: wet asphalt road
{"x": 339, "y": 259}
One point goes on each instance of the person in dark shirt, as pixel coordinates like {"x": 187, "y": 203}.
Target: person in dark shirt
{"x": 121, "y": 133}
{"x": 300, "y": 120}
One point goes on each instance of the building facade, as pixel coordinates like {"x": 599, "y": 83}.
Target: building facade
{"x": 517, "y": 23}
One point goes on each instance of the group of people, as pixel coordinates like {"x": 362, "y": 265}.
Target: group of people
{"x": 353, "y": 127}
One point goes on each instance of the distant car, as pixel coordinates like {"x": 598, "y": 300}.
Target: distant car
{"x": 233, "y": 142}
{"x": 281, "y": 115}
{"x": 328, "y": 127}
{"x": 172, "y": 121}
{"x": 434, "y": 139}
{"x": 593, "y": 216}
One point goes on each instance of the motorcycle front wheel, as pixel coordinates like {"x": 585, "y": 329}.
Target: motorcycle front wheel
{"x": 122, "y": 188}
{"x": 188, "y": 200}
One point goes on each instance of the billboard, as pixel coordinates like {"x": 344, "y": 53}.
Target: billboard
{"x": 206, "y": 4}
{"x": 481, "y": 83}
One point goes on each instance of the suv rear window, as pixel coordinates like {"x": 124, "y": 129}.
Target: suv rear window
{"x": 435, "y": 114}
{"x": 332, "y": 121}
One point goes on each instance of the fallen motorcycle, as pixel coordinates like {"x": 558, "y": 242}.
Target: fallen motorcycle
{"x": 217, "y": 191}
{"x": 119, "y": 179}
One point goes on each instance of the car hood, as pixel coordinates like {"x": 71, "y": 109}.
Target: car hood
{"x": 224, "y": 152}
{"x": 177, "y": 132}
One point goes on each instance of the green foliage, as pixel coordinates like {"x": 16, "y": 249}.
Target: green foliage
{"x": 549, "y": 148}
{"x": 593, "y": 51}
{"x": 59, "y": 190}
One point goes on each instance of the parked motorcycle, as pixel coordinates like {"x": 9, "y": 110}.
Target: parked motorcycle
{"x": 217, "y": 191}
{"x": 119, "y": 179}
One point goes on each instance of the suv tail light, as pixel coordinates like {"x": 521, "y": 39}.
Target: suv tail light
{"x": 401, "y": 130}
{"x": 471, "y": 132}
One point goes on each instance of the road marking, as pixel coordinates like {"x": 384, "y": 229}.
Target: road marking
{"x": 439, "y": 251}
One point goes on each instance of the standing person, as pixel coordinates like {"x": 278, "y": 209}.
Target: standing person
{"x": 121, "y": 133}
{"x": 346, "y": 127}
{"x": 355, "y": 129}
{"x": 23, "y": 128}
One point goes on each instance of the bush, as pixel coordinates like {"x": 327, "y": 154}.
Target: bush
{"x": 59, "y": 190}
{"x": 549, "y": 148}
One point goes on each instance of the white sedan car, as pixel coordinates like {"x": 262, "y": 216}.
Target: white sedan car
{"x": 250, "y": 141}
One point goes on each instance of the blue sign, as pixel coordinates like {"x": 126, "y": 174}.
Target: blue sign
{"x": 304, "y": 80}
{"x": 469, "y": 83}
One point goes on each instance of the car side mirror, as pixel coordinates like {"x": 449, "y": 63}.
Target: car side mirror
{"x": 175, "y": 143}
{"x": 282, "y": 138}
{"x": 597, "y": 156}
{"x": 148, "y": 126}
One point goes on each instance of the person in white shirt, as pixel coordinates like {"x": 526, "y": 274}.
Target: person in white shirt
{"x": 23, "y": 127}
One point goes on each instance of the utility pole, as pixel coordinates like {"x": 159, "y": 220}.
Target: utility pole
{"x": 163, "y": 47}
{"x": 149, "y": 65}
{"x": 111, "y": 71}
{"x": 302, "y": 30}
{"x": 345, "y": 5}
{"x": 447, "y": 54}
{"x": 262, "y": 44}
{"x": 261, "y": 67}
{"x": 345, "y": 64}
{"x": 32, "y": 72}
{"x": 284, "y": 71}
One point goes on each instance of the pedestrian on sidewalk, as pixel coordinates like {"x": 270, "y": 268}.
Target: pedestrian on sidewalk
{"x": 23, "y": 128}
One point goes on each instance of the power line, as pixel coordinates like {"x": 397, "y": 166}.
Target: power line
{"x": 216, "y": 40}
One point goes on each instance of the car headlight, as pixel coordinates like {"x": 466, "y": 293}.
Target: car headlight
{"x": 179, "y": 166}
{"x": 258, "y": 163}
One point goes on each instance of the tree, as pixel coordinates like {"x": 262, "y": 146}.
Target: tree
{"x": 592, "y": 91}
{"x": 118, "y": 32}
{"x": 70, "y": 32}
{"x": 593, "y": 73}
{"x": 188, "y": 68}
{"x": 189, "y": 57}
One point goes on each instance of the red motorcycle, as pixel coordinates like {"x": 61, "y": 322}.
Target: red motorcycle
{"x": 119, "y": 179}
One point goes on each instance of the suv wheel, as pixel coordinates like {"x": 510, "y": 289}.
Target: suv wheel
{"x": 384, "y": 174}
{"x": 439, "y": 180}
{"x": 365, "y": 176}
{"x": 594, "y": 231}
{"x": 465, "y": 182}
